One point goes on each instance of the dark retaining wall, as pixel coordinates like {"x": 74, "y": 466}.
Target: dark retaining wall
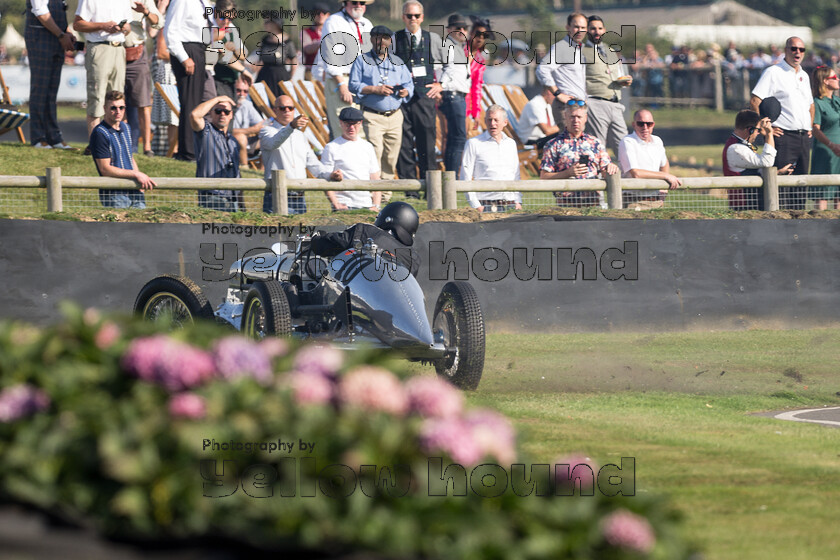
{"x": 680, "y": 274}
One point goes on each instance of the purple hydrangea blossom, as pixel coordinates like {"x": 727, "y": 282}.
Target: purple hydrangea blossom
{"x": 373, "y": 388}
{"x": 237, "y": 357}
{"x": 624, "y": 529}
{"x": 452, "y": 437}
{"x": 493, "y": 433}
{"x": 22, "y": 400}
{"x": 433, "y": 397}
{"x": 567, "y": 477}
{"x": 187, "y": 405}
{"x": 324, "y": 360}
{"x": 168, "y": 362}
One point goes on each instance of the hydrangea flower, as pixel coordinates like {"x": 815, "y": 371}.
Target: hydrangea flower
{"x": 324, "y": 360}
{"x": 187, "y": 405}
{"x": 493, "y": 433}
{"x": 433, "y": 397}
{"x": 453, "y": 437}
{"x": 21, "y": 400}
{"x": 106, "y": 336}
{"x": 274, "y": 347}
{"x": 311, "y": 389}
{"x": 168, "y": 362}
{"x": 236, "y": 357}
{"x": 373, "y": 388}
{"x": 625, "y": 529}
{"x": 566, "y": 478}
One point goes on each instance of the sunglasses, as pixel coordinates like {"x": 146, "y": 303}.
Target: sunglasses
{"x": 117, "y": 107}
{"x": 797, "y": 49}
{"x": 834, "y": 77}
{"x": 356, "y": 3}
{"x": 484, "y": 34}
{"x": 222, "y": 111}
{"x": 644, "y": 123}
{"x": 352, "y": 123}
{"x": 578, "y": 102}
{"x": 413, "y": 16}
{"x": 285, "y": 108}
{"x": 752, "y": 129}
{"x": 458, "y": 27}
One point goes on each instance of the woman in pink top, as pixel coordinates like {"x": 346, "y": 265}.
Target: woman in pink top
{"x": 478, "y": 38}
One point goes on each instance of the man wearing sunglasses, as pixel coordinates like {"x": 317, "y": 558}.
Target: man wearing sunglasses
{"x": 285, "y": 147}
{"x": 247, "y": 122}
{"x": 789, "y": 83}
{"x": 642, "y": 156}
{"x": 216, "y": 153}
{"x": 336, "y": 68}
{"x": 110, "y": 145}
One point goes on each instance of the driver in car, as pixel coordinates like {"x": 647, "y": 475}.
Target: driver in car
{"x": 392, "y": 232}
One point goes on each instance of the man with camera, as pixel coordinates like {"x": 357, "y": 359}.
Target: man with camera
{"x": 382, "y": 84}
{"x": 216, "y": 152}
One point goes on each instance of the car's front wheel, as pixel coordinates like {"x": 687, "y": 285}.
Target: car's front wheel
{"x": 459, "y": 323}
{"x": 266, "y": 311}
{"x": 175, "y": 300}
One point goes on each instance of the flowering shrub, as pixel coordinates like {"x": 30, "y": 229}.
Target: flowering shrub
{"x": 290, "y": 448}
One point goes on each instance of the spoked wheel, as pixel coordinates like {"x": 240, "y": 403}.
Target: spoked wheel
{"x": 173, "y": 300}
{"x": 459, "y": 323}
{"x": 266, "y": 311}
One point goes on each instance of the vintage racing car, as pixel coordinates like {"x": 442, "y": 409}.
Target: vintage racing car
{"x": 362, "y": 295}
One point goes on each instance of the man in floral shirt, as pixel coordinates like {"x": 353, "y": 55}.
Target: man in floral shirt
{"x": 566, "y": 157}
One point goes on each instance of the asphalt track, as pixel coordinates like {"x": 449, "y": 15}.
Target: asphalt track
{"x": 827, "y": 416}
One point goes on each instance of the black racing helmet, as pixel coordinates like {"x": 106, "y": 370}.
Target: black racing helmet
{"x": 401, "y": 219}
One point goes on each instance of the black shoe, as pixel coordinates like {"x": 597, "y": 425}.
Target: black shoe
{"x": 180, "y": 157}
{"x": 412, "y": 194}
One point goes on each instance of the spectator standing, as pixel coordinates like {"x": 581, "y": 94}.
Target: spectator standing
{"x": 382, "y": 84}
{"x": 641, "y": 155}
{"x": 47, "y": 40}
{"x": 104, "y": 52}
{"x": 163, "y": 117}
{"x": 352, "y": 157}
{"x": 422, "y": 52}
{"x": 275, "y": 52}
{"x": 826, "y": 160}
{"x": 285, "y": 147}
{"x": 492, "y": 156}
{"x": 138, "y": 74}
{"x": 605, "y": 76}
{"x": 454, "y": 85}
{"x": 741, "y": 157}
{"x": 574, "y": 154}
{"x": 311, "y": 37}
{"x": 680, "y": 60}
{"x": 185, "y": 20}
{"x": 247, "y": 122}
{"x": 110, "y": 145}
{"x": 789, "y": 83}
{"x": 228, "y": 66}
{"x": 564, "y": 73}
{"x": 479, "y": 34}
{"x": 537, "y": 120}
{"x": 217, "y": 153}
{"x": 350, "y": 20}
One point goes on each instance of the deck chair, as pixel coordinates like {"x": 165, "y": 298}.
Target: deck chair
{"x": 10, "y": 118}
{"x": 529, "y": 158}
{"x": 259, "y": 96}
{"x": 303, "y": 108}
{"x": 311, "y": 92}
{"x": 169, "y": 94}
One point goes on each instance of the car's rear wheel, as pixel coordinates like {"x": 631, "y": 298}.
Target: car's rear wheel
{"x": 459, "y": 323}
{"x": 175, "y": 300}
{"x": 266, "y": 311}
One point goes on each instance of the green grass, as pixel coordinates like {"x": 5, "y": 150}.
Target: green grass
{"x": 751, "y": 487}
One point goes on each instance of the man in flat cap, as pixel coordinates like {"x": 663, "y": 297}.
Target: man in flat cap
{"x": 352, "y": 157}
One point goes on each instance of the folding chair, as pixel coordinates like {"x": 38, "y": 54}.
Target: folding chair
{"x": 259, "y": 96}
{"x": 9, "y": 117}
{"x": 303, "y": 108}
{"x": 169, "y": 93}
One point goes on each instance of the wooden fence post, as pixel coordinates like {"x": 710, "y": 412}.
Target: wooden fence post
{"x": 718, "y": 87}
{"x": 279, "y": 192}
{"x": 770, "y": 192}
{"x": 434, "y": 189}
{"x": 54, "y": 202}
{"x": 613, "y": 191}
{"x": 450, "y": 195}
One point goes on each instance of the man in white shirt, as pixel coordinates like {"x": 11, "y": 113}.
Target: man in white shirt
{"x": 100, "y": 20}
{"x": 642, "y": 156}
{"x": 352, "y": 157}
{"x": 336, "y": 68}
{"x": 537, "y": 120}
{"x": 562, "y": 71}
{"x": 185, "y": 20}
{"x": 492, "y": 156}
{"x": 138, "y": 73}
{"x": 789, "y": 83}
{"x": 285, "y": 147}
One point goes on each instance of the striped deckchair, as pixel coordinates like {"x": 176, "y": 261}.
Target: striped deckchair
{"x": 169, "y": 93}
{"x": 11, "y": 119}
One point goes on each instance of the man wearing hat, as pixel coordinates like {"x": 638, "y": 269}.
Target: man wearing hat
{"x": 352, "y": 157}
{"x": 422, "y": 52}
{"x": 382, "y": 84}
{"x": 336, "y": 68}
{"x": 789, "y": 83}
{"x": 453, "y": 88}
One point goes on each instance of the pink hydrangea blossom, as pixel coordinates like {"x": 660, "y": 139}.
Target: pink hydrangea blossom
{"x": 453, "y": 437}
{"x": 373, "y": 388}
{"x": 236, "y": 357}
{"x": 21, "y": 400}
{"x": 91, "y": 316}
{"x": 433, "y": 397}
{"x": 569, "y": 469}
{"x": 624, "y": 529}
{"x": 168, "y": 362}
{"x": 274, "y": 347}
{"x": 493, "y": 433}
{"x": 106, "y": 336}
{"x": 311, "y": 388}
{"x": 324, "y": 360}
{"x": 187, "y": 405}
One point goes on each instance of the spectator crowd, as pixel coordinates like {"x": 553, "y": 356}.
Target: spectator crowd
{"x": 382, "y": 97}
